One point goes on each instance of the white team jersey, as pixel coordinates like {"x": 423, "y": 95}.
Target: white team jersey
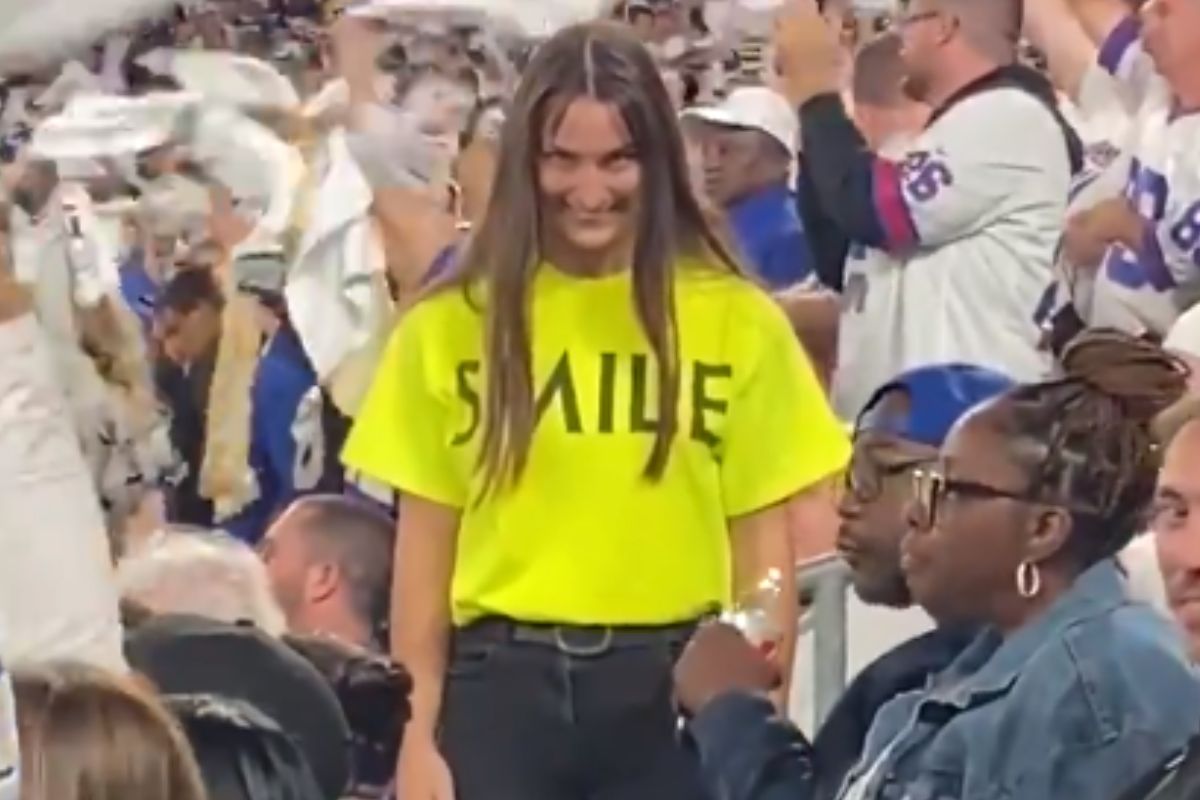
{"x": 868, "y": 353}
{"x": 1099, "y": 116}
{"x": 1162, "y": 181}
{"x": 981, "y": 200}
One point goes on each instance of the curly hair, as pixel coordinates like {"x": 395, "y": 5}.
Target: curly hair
{"x": 1086, "y": 436}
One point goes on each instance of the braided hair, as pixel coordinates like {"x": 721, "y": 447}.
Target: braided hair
{"x": 1086, "y": 437}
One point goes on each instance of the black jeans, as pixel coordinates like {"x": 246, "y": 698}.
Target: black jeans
{"x": 580, "y": 716}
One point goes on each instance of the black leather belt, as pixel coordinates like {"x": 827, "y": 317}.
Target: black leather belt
{"x": 581, "y": 641}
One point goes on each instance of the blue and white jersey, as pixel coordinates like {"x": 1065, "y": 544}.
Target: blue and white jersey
{"x": 1099, "y": 115}
{"x": 869, "y": 334}
{"x": 1162, "y": 182}
{"x": 977, "y": 206}
{"x": 287, "y": 435}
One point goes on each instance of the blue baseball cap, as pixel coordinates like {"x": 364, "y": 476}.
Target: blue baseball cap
{"x": 939, "y": 396}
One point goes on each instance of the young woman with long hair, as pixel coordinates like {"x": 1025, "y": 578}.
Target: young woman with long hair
{"x": 595, "y": 423}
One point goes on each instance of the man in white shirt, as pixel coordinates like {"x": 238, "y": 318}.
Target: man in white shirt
{"x": 1146, "y": 241}
{"x": 974, "y": 209}
{"x": 58, "y": 599}
{"x": 868, "y": 350}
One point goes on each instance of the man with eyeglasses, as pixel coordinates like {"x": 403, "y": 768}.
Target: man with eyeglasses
{"x": 970, "y": 214}
{"x": 899, "y": 431}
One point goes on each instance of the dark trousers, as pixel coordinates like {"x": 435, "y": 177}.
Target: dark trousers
{"x": 551, "y": 714}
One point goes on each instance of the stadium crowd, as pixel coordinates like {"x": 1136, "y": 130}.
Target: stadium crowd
{"x": 439, "y": 400}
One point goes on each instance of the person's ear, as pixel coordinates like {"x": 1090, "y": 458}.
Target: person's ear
{"x": 1049, "y": 530}
{"x": 322, "y": 581}
{"x": 948, "y": 25}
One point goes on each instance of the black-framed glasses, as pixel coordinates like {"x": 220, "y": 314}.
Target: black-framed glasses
{"x": 931, "y": 488}
{"x": 865, "y": 475}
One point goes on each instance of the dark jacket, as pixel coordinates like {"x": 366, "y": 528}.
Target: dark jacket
{"x": 838, "y": 745}
{"x": 185, "y": 393}
{"x": 1060, "y": 708}
{"x": 1177, "y": 778}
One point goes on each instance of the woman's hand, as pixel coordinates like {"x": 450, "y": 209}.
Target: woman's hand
{"x": 422, "y": 773}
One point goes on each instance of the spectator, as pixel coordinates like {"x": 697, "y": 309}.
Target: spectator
{"x": 526, "y": 498}
{"x": 897, "y": 433}
{"x": 265, "y": 723}
{"x": 1174, "y": 520}
{"x": 1145, "y": 242}
{"x": 374, "y": 695}
{"x": 204, "y": 573}
{"x": 188, "y": 332}
{"x": 51, "y": 527}
{"x": 475, "y": 168}
{"x": 287, "y": 447}
{"x": 973, "y": 211}
{"x": 1175, "y": 523}
{"x": 329, "y": 559}
{"x": 1141, "y": 560}
{"x": 291, "y": 426}
{"x": 243, "y": 754}
{"x": 868, "y": 353}
{"x": 1014, "y": 531}
{"x": 748, "y": 144}
{"x": 88, "y": 735}
{"x": 888, "y": 118}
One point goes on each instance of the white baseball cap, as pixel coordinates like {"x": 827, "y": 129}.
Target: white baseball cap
{"x": 754, "y": 108}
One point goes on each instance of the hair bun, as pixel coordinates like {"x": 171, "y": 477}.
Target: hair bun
{"x": 1138, "y": 374}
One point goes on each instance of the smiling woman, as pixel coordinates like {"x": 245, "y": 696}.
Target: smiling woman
{"x": 589, "y": 176}
{"x": 595, "y": 424}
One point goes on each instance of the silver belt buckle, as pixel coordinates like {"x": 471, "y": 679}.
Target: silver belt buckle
{"x": 560, "y": 641}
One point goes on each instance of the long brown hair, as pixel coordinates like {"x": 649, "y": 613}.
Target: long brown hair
{"x": 89, "y": 735}
{"x": 604, "y": 62}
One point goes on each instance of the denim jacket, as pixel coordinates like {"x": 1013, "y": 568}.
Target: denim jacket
{"x": 1077, "y": 704}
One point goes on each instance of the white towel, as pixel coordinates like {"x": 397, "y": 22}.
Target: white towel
{"x": 220, "y": 76}
{"x": 38, "y": 32}
{"x": 97, "y": 125}
{"x": 517, "y": 17}
{"x": 337, "y": 291}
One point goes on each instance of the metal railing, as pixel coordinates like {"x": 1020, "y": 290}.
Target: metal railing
{"x": 823, "y": 584}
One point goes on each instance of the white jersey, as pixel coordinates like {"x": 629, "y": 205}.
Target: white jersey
{"x": 868, "y": 352}
{"x": 1162, "y": 182}
{"x": 1099, "y": 116}
{"x": 978, "y": 209}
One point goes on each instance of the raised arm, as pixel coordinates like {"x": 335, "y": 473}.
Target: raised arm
{"x": 1098, "y": 18}
{"x": 1058, "y": 32}
{"x": 58, "y": 598}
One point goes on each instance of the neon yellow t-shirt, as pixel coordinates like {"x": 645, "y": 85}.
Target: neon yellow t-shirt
{"x": 583, "y": 538}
